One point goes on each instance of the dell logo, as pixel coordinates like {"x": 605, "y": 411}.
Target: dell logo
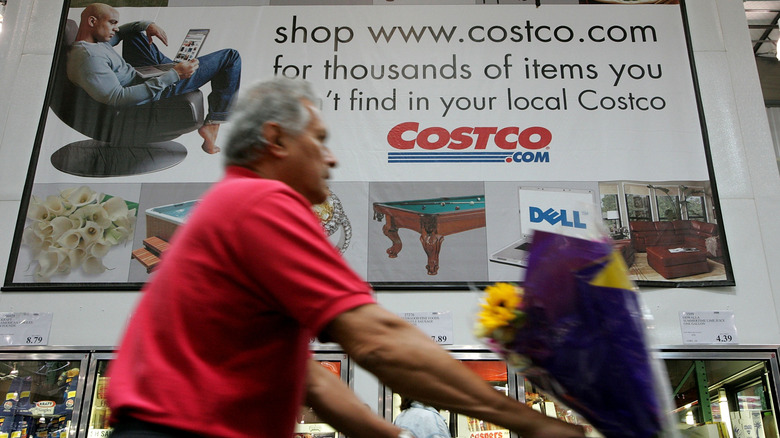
{"x": 553, "y": 217}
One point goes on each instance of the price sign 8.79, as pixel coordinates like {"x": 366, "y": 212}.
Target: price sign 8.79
{"x": 34, "y": 340}
{"x": 23, "y": 328}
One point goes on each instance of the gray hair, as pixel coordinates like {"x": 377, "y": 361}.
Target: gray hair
{"x": 277, "y": 100}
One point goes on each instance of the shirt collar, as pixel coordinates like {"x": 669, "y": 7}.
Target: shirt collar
{"x": 240, "y": 172}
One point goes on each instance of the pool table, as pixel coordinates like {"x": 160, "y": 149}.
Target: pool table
{"x": 433, "y": 218}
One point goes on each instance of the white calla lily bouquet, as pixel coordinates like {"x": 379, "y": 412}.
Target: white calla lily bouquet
{"x": 76, "y": 229}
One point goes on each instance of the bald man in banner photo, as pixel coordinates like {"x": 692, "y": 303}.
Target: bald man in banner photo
{"x": 111, "y": 79}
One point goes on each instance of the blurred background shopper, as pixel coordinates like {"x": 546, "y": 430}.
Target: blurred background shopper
{"x": 218, "y": 344}
{"x": 422, "y": 420}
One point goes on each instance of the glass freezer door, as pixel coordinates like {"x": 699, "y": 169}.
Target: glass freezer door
{"x": 41, "y": 393}
{"x": 488, "y": 366}
{"x": 493, "y": 371}
{"x": 729, "y": 392}
{"x": 543, "y": 403}
{"x": 94, "y": 421}
{"x": 308, "y": 424}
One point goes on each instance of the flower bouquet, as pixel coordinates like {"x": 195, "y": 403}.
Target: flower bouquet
{"x": 575, "y": 330}
{"x": 75, "y": 229}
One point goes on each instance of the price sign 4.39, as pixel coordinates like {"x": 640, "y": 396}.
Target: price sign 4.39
{"x": 724, "y": 338}
{"x": 708, "y": 327}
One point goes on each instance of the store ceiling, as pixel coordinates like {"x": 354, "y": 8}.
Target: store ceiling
{"x": 763, "y": 18}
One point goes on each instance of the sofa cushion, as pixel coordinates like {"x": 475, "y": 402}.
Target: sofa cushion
{"x": 681, "y": 226}
{"x": 666, "y": 239}
{"x": 642, "y": 226}
{"x": 704, "y": 229}
{"x": 664, "y": 226}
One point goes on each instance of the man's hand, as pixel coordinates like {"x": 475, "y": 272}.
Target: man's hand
{"x": 186, "y": 69}
{"x": 154, "y": 30}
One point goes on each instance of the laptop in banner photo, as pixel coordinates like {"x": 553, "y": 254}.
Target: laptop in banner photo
{"x": 189, "y": 49}
{"x": 563, "y": 211}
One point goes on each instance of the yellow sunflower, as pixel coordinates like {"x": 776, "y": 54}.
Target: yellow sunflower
{"x": 500, "y": 306}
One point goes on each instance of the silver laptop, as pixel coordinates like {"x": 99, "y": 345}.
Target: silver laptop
{"x": 562, "y": 211}
{"x": 188, "y": 50}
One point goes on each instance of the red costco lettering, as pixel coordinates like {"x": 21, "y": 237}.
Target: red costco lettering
{"x": 407, "y": 135}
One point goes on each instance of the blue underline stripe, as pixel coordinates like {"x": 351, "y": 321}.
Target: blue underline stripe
{"x": 465, "y": 154}
{"x": 444, "y": 160}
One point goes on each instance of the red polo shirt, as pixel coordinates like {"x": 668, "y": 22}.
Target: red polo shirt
{"x": 218, "y": 344}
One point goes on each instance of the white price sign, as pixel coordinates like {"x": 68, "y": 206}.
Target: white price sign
{"x": 437, "y": 325}
{"x": 708, "y": 327}
{"x": 22, "y": 328}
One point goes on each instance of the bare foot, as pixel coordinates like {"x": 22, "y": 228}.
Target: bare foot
{"x": 209, "y": 133}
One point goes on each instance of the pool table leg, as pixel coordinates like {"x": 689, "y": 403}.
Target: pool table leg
{"x": 431, "y": 243}
{"x": 391, "y": 231}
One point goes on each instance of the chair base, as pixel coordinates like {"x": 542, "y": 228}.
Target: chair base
{"x": 94, "y": 158}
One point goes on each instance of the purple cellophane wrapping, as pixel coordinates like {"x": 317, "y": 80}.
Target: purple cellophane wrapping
{"x": 586, "y": 343}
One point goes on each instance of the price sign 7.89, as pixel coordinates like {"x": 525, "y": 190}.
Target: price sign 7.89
{"x": 437, "y": 325}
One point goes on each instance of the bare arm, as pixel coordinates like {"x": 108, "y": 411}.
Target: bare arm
{"x": 338, "y": 406}
{"x": 153, "y": 30}
{"x": 184, "y": 69}
{"x": 405, "y": 359}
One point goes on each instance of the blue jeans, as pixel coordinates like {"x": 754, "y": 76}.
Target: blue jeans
{"x": 221, "y": 68}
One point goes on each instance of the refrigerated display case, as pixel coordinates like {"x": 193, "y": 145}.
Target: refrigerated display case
{"x": 60, "y": 393}
{"x": 308, "y": 424}
{"x": 43, "y": 390}
{"x": 718, "y": 392}
{"x": 95, "y": 411}
{"x": 541, "y": 402}
{"x": 94, "y": 422}
{"x": 487, "y": 365}
{"x": 726, "y": 391}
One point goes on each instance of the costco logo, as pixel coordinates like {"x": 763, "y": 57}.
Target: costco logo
{"x": 468, "y": 144}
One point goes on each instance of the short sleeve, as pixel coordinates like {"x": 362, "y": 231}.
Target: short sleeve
{"x": 292, "y": 257}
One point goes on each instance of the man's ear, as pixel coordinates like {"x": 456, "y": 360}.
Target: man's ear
{"x": 92, "y": 20}
{"x": 272, "y": 133}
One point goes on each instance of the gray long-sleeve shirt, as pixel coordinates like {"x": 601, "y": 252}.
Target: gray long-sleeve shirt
{"x": 108, "y": 78}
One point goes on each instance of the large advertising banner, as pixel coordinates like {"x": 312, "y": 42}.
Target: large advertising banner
{"x": 459, "y": 131}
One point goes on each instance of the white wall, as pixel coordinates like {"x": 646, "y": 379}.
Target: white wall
{"x": 742, "y": 154}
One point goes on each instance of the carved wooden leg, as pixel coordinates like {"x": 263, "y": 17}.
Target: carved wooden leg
{"x": 391, "y": 231}
{"x": 431, "y": 243}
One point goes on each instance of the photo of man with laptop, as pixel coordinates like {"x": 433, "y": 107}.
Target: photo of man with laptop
{"x": 116, "y": 80}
